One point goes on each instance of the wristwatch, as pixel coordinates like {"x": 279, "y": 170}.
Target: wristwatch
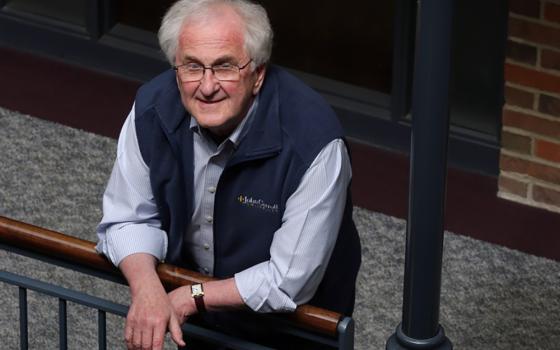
{"x": 197, "y": 292}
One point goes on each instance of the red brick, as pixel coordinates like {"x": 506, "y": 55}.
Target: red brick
{"x": 516, "y": 143}
{"x": 550, "y": 59}
{"x": 547, "y": 150}
{"x": 529, "y": 8}
{"x": 535, "y": 32}
{"x": 521, "y": 52}
{"x": 549, "y": 105}
{"x": 532, "y": 78}
{"x": 546, "y": 195}
{"x": 512, "y": 186}
{"x": 536, "y": 170}
{"x": 551, "y": 12}
{"x": 518, "y": 97}
{"x": 531, "y": 123}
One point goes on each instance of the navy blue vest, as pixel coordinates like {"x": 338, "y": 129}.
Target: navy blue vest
{"x": 291, "y": 125}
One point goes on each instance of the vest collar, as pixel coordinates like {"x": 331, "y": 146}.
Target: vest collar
{"x": 170, "y": 107}
{"x": 264, "y": 137}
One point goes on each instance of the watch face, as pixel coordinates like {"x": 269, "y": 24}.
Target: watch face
{"x": 196, "y": 290}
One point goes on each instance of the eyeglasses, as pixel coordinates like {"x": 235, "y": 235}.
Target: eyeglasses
{"x": 192, "y": 72}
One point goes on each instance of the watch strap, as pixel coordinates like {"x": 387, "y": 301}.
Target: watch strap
{"x": 197, "y": 292}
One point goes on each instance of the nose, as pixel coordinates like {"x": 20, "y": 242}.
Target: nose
{"x": 209, "y": 84}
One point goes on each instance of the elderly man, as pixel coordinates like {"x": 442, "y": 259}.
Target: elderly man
{"x": 234, "y": 168}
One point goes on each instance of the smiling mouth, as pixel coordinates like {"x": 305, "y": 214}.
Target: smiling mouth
{"x": 209, "y": 102}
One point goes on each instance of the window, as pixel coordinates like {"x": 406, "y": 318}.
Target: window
{"x": 351, "y": 44}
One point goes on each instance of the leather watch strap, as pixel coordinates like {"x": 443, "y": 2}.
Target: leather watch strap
{"x": 197, "y": 292}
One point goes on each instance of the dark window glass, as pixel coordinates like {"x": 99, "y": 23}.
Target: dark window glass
{"x": 349, "y": 43}
{"x": 143, "y": 14}
{"x": 479, "y": 29}
{"x": 69, "y": 11}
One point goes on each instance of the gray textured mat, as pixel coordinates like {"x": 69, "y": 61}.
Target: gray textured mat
{"x": 53, "y": 176}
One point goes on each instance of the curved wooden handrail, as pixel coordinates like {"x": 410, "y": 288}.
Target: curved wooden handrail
{"x": 78, "y": 251}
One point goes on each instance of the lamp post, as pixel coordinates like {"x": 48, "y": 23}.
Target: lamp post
{"x": 420, "y": 328}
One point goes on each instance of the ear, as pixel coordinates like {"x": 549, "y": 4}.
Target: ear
{"x": 261, "y": 72}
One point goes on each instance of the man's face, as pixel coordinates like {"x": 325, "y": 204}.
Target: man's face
{"x": 218, "y": 106}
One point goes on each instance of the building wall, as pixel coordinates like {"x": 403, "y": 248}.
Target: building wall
{"x": 530, "y": 153}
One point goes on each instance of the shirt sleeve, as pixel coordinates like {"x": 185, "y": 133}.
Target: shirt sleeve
{"x": 302, "y": 246}
{"x": 130, "y": 222}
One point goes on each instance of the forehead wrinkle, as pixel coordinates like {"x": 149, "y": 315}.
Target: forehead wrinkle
{"x": 200, "y": 38}
{"x": 216, "y": 27}
{"x": 198, "y": 50}
{"x": 216, "y": 32}
{"x": 208, "y": 40}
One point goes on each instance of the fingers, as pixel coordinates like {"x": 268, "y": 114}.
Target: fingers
{"x": 133, "y": 336}
{"x": 137, "y": 340}
{"x": 146, "y": 339}
{"x": 152, "y": 339}
{"x": 132, "y": 333}
{"x": 128, "y": 334}
{"x": 175, "y": 331}
{"x": 145, "y": 335}
{"x": 158, "y": 337}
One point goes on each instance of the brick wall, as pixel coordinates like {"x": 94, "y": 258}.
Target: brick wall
{"x": 530, "y": 155}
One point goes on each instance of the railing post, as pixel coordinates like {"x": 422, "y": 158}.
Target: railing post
{"x": 62, "y": 325}
{"x": 23, "y": 335}
{"x": 420, "y": 328}
{"x": 101, "y": 329}
{"x": 346, "y": 334}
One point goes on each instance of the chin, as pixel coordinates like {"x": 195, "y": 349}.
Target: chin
{"x": 210, "y": 111}
{"x": 208, "y": 119}
{"x": 214, "y": 116}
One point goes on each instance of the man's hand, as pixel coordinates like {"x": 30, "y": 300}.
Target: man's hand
{"x": 183, "y": 303}
{"x": 151, "y": 312}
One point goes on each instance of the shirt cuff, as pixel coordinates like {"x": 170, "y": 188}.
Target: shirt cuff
{"x": 260, "y": 293}
{"x": 126, "y": 240}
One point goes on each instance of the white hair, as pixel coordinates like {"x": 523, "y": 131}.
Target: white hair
{"x": 257, "y": 35}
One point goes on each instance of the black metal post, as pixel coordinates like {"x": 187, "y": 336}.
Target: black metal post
{"x": 62, "y": 325}
{"x": 23, "y": 325}
{"x": 420, "y": 328}
{"x": 102, "y": 329}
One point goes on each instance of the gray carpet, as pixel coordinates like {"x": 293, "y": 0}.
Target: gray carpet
{"x": 53, "y": 176}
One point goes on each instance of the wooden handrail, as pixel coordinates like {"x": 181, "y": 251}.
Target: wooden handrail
{"x": 78, "y": 251}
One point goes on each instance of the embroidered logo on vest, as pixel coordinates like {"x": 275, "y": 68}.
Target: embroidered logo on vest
{"x": 257, "y": 204}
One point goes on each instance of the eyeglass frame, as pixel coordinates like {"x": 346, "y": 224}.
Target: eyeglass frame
{"x": 212, "y": 67}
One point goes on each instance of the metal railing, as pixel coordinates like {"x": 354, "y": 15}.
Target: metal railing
{"x": 308, "y": 322}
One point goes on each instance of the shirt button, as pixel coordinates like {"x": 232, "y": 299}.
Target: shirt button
{"x": 206, "y": 246}
{"x": 211, "y": 189}
{"x": 209, "y": 218}
{"x": 205, "y": 270}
